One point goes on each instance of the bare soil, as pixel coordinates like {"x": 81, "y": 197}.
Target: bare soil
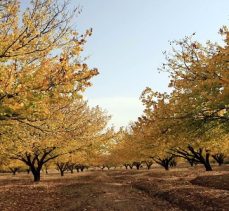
{"x": 124, "y": 190}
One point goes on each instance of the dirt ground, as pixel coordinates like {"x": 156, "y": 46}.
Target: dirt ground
{"x": 124, "y": 190}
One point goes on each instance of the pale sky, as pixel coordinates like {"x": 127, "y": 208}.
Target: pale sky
{"x": 127, "y": 43}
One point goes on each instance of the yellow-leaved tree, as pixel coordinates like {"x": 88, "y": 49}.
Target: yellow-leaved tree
{"x": 42, "y": 77}
{"x": 68, "y": 130}
{"x": 194, "y": 117}
{"x": 39, "y": 58}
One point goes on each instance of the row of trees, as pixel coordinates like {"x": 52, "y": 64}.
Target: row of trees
{"x": 44, "y": 119}
{"x": 192, "y": 121}
{"x": 43, "y": 116}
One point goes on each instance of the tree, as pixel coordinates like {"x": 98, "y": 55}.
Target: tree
{"x": 219, "y": 158}
{"x": 42, "y": 80}
{"x": 148, "y": 163}
{"x": 71, "y": 167}
{"x": 13, "y": 166}
{"x": 62, "y": 167}
{"x": 197, "y": 156}
{"x": 137, "y": 164}
{"x": 195, "y": 112}
{"x": 199, "y": 79}
{"x": 166, "y": 162}
{"x": 39, "y": 58}
{"x": 46, "y": 167}
{"x": 70, "y": 129}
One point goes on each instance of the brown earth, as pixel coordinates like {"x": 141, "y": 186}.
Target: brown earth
{"x": 125, "y": 190}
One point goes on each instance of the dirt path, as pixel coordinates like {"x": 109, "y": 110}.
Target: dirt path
{"x": 115, "y": 190}
{"x": 100, "y": 191}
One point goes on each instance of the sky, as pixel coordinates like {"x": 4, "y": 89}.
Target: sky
{"x": 128, "y": 39}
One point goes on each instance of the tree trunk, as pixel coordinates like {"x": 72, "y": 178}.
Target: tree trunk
{"x": 166, "y": 166}
{"x": 195, "y": 156}
{"x": 131, "y": 166}
{"x": 36, "y": 171}
{"x": 219, "y": 158}
{"x": 165, "y": 162}
{"x": 138, "y": 167}
{"x": 61, "y": 173}
{"x": 36, "y": 175}
{"x": 207, "y": 164}
{"x": 14, "y": 170}
{"x": 71, "y": 168}
{"x": 148, "y": 164}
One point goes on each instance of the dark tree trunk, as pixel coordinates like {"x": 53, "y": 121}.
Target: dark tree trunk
{"x": 137, "y": 165}
{"x": 36, "y": 170}
{"x": 191, "y": 162}
{"x": 166, "y": 166}
{"x": 219, "y": 158}
{"x": 36, "y": 160}
{"x": 195, "y": 156}
{"x": 165, "y": 162}
{"x": 173, "y": 163}
{"x": 207, "y": 164}
{"x": 62, "y": 167}
{"x": 14, "y": 170}
{"x": 36, "y": 174}
{"x": 46, "y": 169}
{"x": 71, "y": 168}
{"x": 131, "y": 166}
{"x": 28, "y": 170}
{"x": 148, "y": 164}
